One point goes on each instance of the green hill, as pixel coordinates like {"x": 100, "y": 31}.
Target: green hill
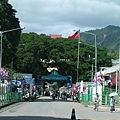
{"x": 108, "y": 37}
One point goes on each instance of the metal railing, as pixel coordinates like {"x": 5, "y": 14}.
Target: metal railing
{"x": 8, "y": 98}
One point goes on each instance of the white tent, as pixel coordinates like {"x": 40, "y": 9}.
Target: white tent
{"x": 112, "y": 69}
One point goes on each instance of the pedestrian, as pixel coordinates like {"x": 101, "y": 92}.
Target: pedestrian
{"x": 112, "y": 104}
{"x": 58, "y": 94}
{"x": 96, "y": 102}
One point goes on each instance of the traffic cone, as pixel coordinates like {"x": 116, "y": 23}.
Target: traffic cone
{"x": 73, "y": 117}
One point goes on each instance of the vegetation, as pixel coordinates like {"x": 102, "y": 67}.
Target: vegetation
{"x": 11, "y": 39}
{"x": 33, "y": 53}
{"x": 108, "y": 37}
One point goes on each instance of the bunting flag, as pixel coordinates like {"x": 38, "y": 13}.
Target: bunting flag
{"x": 4, "y": 72}
{"x": 85, "y": 88}
{"x": 99, "y": 77}
{"x": 94, "y": 79}
{"x": 110, "y": 78}
{"x": 76, "y": 34}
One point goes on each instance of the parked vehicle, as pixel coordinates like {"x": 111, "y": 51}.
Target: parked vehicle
{"x": 75, "y": 97}
{"x": 64, "y": 96}
{"x": 27, "y": 97}
{"x": 53, "y": 96}
{"x": 64, "y": 89}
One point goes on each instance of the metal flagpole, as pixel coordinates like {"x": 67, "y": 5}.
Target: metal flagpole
{"x": 116, "y": 79}
{"x": 78, "y": 58}
{"x": 119, "y": 69}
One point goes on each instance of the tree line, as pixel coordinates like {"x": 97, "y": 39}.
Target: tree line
{"x": 36, "y": 52}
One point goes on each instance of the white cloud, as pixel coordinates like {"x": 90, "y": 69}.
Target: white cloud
{"x": 62, "y": 16}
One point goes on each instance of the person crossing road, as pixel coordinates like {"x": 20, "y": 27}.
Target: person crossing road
{"x": 96, "y": 102}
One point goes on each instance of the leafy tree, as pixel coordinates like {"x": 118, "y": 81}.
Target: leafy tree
{"x": 9, "y": 21}
{"x": 36, "y": 51}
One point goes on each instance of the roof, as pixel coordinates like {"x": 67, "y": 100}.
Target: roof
{"x": 111, "y": 69}
{"x": 56, "y": 35}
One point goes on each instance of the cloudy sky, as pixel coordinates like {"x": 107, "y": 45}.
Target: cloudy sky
{"x": 64, "y": 16}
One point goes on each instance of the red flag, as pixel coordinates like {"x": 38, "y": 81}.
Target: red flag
{"x": 76, "y": 34}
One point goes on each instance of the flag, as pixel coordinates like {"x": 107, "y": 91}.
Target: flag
{"x": 76, "y": 34}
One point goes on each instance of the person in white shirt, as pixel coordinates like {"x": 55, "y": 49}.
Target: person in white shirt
{"x": 112, "y": 104}
{"x": 96, "y": 102}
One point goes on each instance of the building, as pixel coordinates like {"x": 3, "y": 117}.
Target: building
{"x": 56, "y": 35}
{"x": 112, "y": 72}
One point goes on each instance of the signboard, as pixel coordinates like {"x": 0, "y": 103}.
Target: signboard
{"x": 54, "y": 78}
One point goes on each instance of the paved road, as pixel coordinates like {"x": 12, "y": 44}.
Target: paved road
{"x": 46, "y": 109}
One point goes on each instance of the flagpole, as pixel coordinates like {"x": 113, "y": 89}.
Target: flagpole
{"x": 75, "y": 35}
{"x": 116, "y": 79}
{"x": 78, "y": 59}
{"x": 119, "y": 69}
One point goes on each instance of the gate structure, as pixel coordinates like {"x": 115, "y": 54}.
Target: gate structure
{"x": 55, "y": 77}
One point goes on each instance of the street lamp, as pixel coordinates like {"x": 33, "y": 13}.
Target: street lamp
{"x": 95, "y": 57}
{"x": 1, "y": 42}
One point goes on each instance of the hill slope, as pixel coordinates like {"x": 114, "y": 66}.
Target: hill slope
{"x": 108, "y": 37}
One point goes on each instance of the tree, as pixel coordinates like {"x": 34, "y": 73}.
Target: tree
{"x": 9, "y": 21}
{"x": 35, "y": 52}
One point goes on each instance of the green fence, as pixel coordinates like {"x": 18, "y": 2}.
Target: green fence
{"x": 104, "y": 98}
{"x": 7, "y": 98}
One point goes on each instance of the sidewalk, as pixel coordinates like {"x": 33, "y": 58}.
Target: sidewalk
{"x": 105, "y": 107}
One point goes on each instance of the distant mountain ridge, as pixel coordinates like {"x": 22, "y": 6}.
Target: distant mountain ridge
{"x": 108, "y": 37}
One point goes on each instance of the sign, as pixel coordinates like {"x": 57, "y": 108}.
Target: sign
{"x": 54, "y": 78}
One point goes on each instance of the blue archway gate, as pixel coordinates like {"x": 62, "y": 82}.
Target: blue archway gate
{"x": 56, "y": 77}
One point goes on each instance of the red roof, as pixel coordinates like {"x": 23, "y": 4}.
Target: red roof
{"x": 56, "y": 35}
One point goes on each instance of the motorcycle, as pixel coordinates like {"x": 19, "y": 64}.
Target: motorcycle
{"x": 64, "y": 96}
{"x": 53, "y": 96}
{"x": 75, "y": 98}
{"x": 27, "y": 97}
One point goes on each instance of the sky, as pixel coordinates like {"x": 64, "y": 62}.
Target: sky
{"x": 65, "y": 16}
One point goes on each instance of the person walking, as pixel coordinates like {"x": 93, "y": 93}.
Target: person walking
{"x": 112, "y": 104}
{"x": 96, "y": 102}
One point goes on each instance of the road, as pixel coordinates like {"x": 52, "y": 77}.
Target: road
{"x": 45, "y": 108}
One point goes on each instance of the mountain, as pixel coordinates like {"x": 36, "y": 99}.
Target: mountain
{"x": 108, "y": 37}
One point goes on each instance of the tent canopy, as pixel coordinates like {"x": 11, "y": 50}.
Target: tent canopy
{"x": 111, "y": 69}
{"x": 55, "y": 76}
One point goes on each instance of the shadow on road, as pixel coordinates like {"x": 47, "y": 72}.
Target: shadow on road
{"x": 44, "y": 99}
{"x": 31, "y": 118}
